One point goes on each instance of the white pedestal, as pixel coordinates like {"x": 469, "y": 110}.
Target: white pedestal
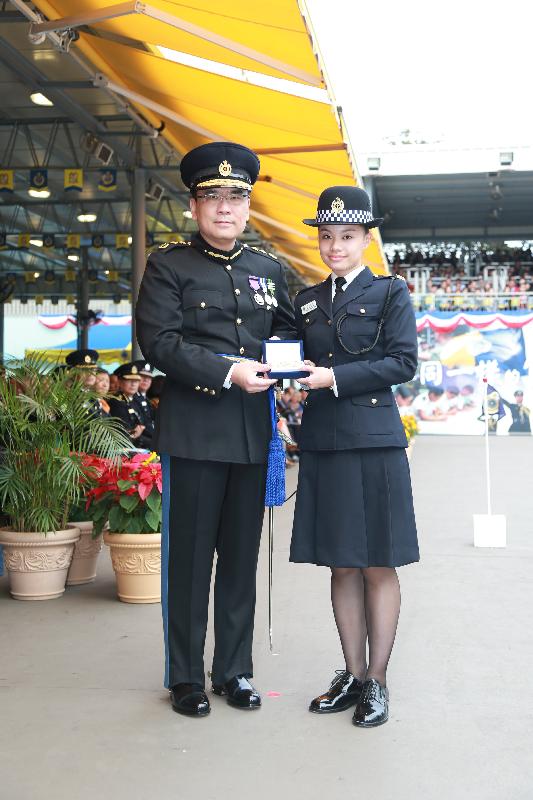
{"x": 490, "y": 530}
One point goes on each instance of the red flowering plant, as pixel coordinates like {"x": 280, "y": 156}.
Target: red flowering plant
{"x": 127, "y": 495}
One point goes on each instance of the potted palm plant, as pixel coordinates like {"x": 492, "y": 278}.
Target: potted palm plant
{"x": 46, "y": 427}
{"x": 128, "y": 498}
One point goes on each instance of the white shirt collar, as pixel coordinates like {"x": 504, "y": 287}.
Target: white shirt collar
{"x": 351, "y": 276}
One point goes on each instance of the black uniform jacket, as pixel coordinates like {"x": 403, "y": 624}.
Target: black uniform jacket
{"x": 123, "y": 408}
{"x": 146, "y": 414}
{"x": 196, "y": 302}
{"x": 365, "y": 413}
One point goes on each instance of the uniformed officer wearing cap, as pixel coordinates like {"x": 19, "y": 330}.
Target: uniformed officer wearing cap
{"x": 123, "y": 408}
{"x": 354, "y": 509}
{"x": 85, "y": 362}
{"x": 520, "y": 413}
{"x": 211, "y": 296}
{"x": 143, "y": 406}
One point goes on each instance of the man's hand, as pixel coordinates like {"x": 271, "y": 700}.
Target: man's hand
{"x": 244, "y": 375}
{"x": 318, "y": 378}
{"x": 136, "y": 432}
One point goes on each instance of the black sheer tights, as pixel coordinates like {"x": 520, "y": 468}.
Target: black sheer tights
{"x": 366, "y": 605}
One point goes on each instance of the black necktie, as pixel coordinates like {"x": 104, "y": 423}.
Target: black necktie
{"x": 339, "y": 284}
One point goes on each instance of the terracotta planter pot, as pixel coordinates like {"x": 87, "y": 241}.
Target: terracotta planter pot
{"x": 136, "y": 559}
{"x": 37, "y": 563}
{"x": 86, "y": 551}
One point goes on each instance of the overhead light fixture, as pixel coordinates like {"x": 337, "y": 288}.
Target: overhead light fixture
{"x": 39, "y": 193}
{"x": 130, "y": 239}
{"x": 40, "y": 99}
{"x": 187, "y": 214}
{"x": 36, "y": 242}
{"x": 36, "y": 274}
{"x": 373, "y": 163}
{"x": 86, "y": 217}
{"x": 73, "y": 257}
{"x": 506, "y": 159}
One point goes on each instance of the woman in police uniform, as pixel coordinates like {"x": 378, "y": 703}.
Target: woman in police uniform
{"x": 354, "y": 509}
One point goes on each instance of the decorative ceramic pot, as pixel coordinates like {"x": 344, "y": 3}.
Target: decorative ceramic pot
{"x": 83, "y": 565}
{"x": 37, "y": 563}
{"x": 136, "y": 559}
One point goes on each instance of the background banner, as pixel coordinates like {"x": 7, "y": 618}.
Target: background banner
{"x": 455, "y": 352}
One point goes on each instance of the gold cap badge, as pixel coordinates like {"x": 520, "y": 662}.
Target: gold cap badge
{"x": 134, "y": 370}
{"x": 224, "y": 169}
{"x": 337, "y": 205}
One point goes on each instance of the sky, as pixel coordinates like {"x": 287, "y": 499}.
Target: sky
{"x": 455, "y": 74}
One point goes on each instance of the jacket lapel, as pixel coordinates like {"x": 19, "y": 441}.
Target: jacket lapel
{"x": 356, "y": 288}
{"x": 323, "y": 297}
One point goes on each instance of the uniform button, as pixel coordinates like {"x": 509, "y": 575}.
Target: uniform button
{"x": 241, "y": 351}
{"x": 362, "y": 310}
{"x": 329, "y": 322}
{"x": 237, "y": 291}
{"x": 238, "y": 321}
{"x": 228, "y": 266}
{"x": 206, "y": 389}
{"x": 307, "y": 321}
{"x": 202, "y": 304}
{"x": 212, "y": 391}
{"x": 197, "y": 388}
{"x": 373, "y": 401}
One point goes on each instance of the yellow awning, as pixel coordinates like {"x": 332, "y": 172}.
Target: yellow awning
{"x": 299, "y": 139}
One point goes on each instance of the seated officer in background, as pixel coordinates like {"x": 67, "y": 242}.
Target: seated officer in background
{"x": 122, "y": 406}
{"x": 143, "y": 406}
{"x": 85, "y": 362}
{"x": 199, "y": 301}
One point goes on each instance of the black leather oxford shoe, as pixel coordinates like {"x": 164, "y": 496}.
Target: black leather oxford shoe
{"x": 240, "y": 693}
{"x": 343, "y": 693}
{"x": 373, "y": 706}
{"x": 190, "y": 699}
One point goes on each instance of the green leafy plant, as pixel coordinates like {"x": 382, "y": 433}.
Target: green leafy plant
{"x": 127, "y": 495}
{"x": 46, "y": 428}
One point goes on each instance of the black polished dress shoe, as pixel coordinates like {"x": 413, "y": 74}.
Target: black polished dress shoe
{"x": 373, "y": 706}
{"x": 190, "y": 699}
{"x": 240, "y": 693}
{"x": 343, "y": 693}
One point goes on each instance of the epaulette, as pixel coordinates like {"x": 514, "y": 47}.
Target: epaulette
{"x": 260, "y": 250}
{"x": 306, "y": 289}
{"x": 172, "y": 245}
{"x": 400, "y": 277}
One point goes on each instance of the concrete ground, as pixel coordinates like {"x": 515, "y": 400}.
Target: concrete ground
{"x": 83, "y": 714}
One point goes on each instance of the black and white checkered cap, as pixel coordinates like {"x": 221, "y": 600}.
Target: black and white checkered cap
{"x": 344, "y": 205}
{"x": 350, "y": 215}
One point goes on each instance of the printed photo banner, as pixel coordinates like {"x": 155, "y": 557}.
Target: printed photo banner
{"x": 455, "y": 352}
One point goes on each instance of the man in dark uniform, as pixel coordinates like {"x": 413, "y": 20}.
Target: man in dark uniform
{"x": 198, "y": 300}
{"x": 85, "y": 363}
{"x": 143, "y": 406}
{"x": 122, "y": 405}
{"x": 520, "y": 413}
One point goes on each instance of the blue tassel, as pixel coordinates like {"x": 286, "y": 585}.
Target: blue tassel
{"x": 275, "y": 484}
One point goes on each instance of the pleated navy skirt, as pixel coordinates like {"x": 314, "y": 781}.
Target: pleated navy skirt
{"x": 354, "y": 508}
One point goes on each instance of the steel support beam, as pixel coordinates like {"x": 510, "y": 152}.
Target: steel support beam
{"x": 138, "y": 227}
{"x": 83, "y": 301}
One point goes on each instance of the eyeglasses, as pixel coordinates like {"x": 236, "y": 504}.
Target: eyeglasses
{"x": 215, "y": 197}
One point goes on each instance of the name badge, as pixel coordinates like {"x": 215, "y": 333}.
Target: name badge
{"x": 309, "y": 307}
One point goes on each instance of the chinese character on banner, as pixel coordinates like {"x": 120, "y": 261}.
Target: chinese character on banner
{"x": 39, "y": 299}
{"x": 73, "y": 241}
{"x": 38, "y": 179}
{"x": 73, "y": 180}
{"x": 24, "y": 240}
{"x": 6, "y": 180}
{"x": 108, "y": 180}
{"x": 48, "y": 241}
{"x": 70, "y": 275}
{"x": 112, "y": 276}
{"x": 29, "y": 277}
{"x": 122, "y": 241}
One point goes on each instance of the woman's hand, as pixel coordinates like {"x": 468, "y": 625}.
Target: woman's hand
{"x": 318, "y": 378}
